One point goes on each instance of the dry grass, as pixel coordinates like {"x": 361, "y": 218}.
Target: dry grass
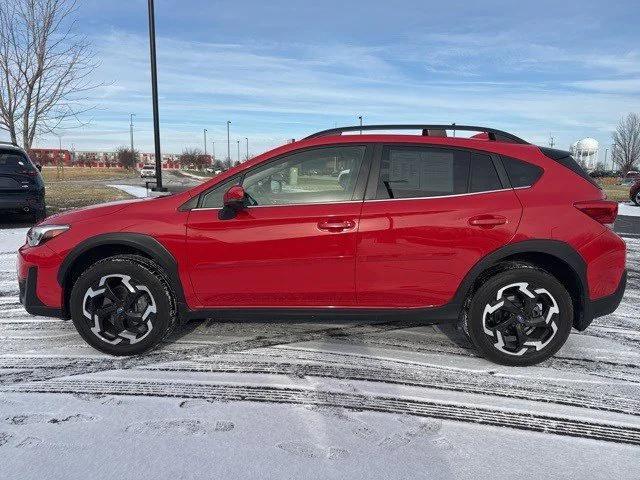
{"x": 64, "y": 196}
{"x": 613, "y": 189}
{"x": 52, "y": 174}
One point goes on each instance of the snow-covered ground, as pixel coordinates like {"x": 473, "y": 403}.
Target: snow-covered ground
{"x": 134, "y": 190}
{"x": 628, "y": 209}
{"x": 292, "y": 399}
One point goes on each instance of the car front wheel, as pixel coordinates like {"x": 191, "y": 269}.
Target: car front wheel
{"x": 122, "y": 305}
{"x": 520, "y": 316}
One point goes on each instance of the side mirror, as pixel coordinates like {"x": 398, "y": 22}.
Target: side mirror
{"x": 233, "y": 201}
{"x": 39, "y": 167}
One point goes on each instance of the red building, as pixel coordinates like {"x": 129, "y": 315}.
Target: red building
{"x": 50, "y": 156}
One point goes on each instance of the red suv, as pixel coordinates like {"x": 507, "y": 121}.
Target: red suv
{"x": 511, "y": 240}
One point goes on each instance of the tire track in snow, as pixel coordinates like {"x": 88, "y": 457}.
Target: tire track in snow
{"x": 549, "y": 424}
{"x": 425, "y": 377}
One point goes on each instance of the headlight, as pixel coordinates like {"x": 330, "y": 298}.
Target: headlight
{"x": 40, "y": 234}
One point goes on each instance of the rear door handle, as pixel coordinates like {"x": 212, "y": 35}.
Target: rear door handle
{"x": 487, "y": 221}
{"x": 336, "y": 225}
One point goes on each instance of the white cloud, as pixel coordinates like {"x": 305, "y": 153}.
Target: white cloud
{"x": 275, "y": 92}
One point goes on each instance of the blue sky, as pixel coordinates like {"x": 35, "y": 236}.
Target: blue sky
{"x": 283, "y": 69}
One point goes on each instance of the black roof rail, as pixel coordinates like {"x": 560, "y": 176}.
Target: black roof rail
{"x": 495, "y": 135}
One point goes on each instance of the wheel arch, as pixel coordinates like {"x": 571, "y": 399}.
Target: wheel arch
{"x": 102, "y": 246}
{"x": 556, "y": 257}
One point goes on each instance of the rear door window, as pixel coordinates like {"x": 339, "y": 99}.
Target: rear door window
{"x": 419, "y": 172}
{"x": 484, "y": 177}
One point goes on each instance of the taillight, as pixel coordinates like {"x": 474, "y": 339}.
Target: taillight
{"x": 602, "y": 211}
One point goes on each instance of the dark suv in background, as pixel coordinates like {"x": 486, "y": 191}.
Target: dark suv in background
{"x": 21, "y": 185}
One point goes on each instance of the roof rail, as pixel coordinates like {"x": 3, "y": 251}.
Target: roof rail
{"x": 492, "y": 133}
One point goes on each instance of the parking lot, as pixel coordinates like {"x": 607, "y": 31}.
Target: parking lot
{"x": 305, "y": 396}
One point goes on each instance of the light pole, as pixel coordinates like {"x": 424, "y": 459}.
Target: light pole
{"x": 247, "y": 140}
{"x": 205, "y": 141}
{"x": 154, "y": 95}
{"x": 360, "y": 118}
{"x": 213, "y": 150}
{"x": 238, "y": 141}
{"x": 131, "y": 115}
{"x": 228, "y": 142}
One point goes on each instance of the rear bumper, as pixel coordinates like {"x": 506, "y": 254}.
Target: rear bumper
{"x": 29, "y": 298}
{"x": 609, "y": 304}
{"x": 21, "y": 202}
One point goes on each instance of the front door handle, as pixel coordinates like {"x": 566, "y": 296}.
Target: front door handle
{"x": 487, "y": 221}
{"x": 336, "y": 225}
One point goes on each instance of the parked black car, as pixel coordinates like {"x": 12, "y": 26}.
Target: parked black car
{"x": 21, "y": 184}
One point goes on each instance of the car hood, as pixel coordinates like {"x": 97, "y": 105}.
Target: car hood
{"x": 91, "y": 212}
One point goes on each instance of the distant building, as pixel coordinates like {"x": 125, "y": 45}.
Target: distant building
{"x": 50, "y": 156}
{"x": 93, "y": 158}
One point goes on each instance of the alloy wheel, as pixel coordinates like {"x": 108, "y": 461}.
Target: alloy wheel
{"x": 522, "y": 319}
{"x": 120, "y": 309}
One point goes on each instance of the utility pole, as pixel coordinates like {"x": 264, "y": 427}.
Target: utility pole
{"x": 228, "y": 142}
{"x": 213, "y": 150}
{"x": 247, "y": 140}
{"x": 238, "y": 150}
{"x": 154, "y": 95}
{"x": 205, "y": 141}
{"x": 131, "y": 115}
{"x": 360, "y": 118}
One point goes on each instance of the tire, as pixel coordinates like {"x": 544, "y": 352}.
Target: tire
{"x": 123, "y": 305}
{"x": 509, "y": 326}
{"x": 636, "y": 198}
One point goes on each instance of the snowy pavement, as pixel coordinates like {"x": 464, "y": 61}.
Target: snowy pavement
{"x": 293, "y": 399}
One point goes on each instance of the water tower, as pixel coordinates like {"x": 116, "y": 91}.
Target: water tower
{"x": 585, "y": 151}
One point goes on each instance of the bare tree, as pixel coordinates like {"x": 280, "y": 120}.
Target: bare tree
{"x": 126, "y": 157}
{"x": 44, "y": 67}
{"x": 626, "y": 143}
{"x": 194, "y": 157}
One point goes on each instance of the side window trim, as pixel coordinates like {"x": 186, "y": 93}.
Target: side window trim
{"x": 502, "y": 173}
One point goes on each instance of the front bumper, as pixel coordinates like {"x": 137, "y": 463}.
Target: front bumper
{"x": 29, "y": 298}
{"x": 39, "y": 290}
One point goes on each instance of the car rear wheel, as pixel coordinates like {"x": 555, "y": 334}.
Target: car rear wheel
{"x": 520, "y": 316}
{"x": 636, "y": 198}
{"x": 123, "y": 305}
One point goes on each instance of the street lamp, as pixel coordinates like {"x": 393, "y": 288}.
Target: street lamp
{"x": 154, "y": 97}
{"x": 131, "y": 115}
{"x": 238, "y": 141}
{"x": 360, "y": 118}
{"x": 213, "y": 150}
{"x": 205, "y": 141}
{"x": 247, "y": 140}
{"x": 228, "y": 142}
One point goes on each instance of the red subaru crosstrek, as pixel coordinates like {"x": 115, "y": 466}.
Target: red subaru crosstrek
{"x": 512, "y": 240}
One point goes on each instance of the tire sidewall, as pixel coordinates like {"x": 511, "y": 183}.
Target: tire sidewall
{"x": 487, "y": 294}
{"x": 143, "y": 276}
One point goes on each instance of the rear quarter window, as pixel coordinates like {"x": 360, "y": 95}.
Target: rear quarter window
{"x": 521, "y": 174}
{"x": 12, "y": 161}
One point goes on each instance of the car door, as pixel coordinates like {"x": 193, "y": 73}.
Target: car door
{"x": 429, "y": 215}
{"x": 294, "y": 244}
